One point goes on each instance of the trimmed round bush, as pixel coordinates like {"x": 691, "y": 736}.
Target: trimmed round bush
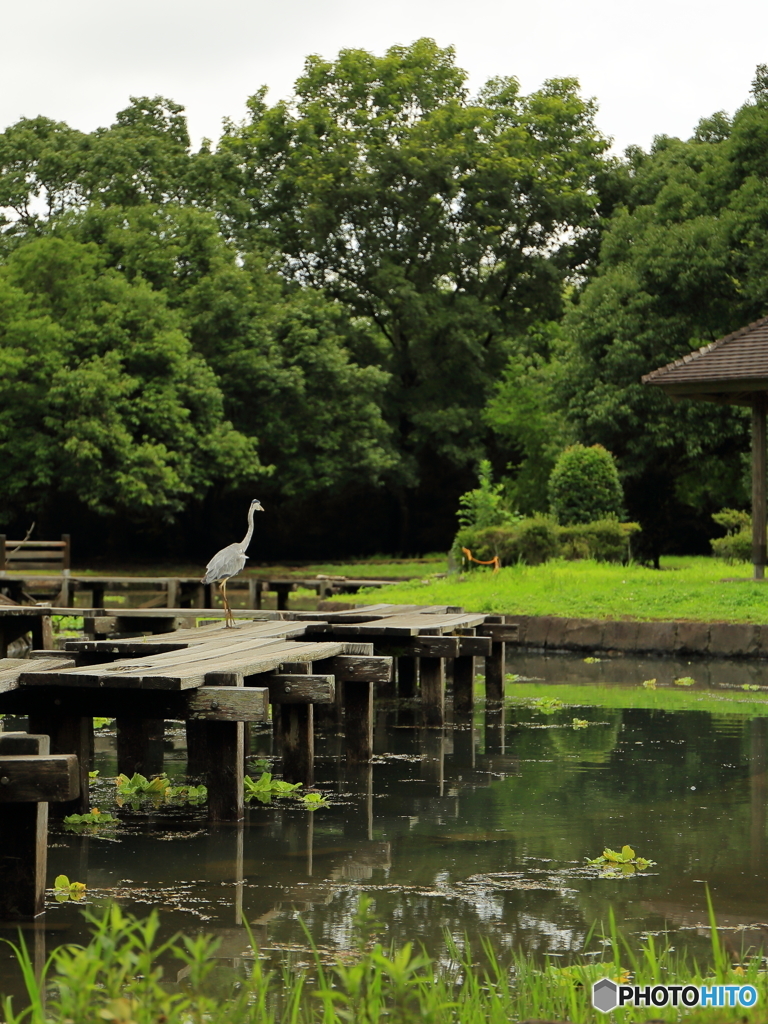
{"x": 585, "y": 486}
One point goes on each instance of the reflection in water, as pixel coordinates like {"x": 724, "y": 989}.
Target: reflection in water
{"x": 481, "y": 828}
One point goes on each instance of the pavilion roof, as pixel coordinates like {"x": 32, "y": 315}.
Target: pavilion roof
{"x": 728, "y": 370}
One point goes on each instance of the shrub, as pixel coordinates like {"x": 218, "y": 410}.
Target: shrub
{"x": 736, "y": 546}
{"x": 485, "y": 505}
{"x": 532, "y": 541}
{"x": 584, "y": 486}
{"x": 605, "y": 540}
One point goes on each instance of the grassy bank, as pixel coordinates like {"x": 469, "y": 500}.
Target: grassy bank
{"x": 702, "y": 589}
{"x": 126, "y": 974}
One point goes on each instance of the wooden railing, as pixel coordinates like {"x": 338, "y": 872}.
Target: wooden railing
{"x": 20, "y": 555}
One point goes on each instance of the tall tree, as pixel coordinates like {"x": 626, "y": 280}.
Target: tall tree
{"x": 448, "y": 222}
{"x": 683, "y": 262}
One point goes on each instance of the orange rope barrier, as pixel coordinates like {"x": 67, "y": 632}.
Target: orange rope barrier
{"x": 493, "y": 561}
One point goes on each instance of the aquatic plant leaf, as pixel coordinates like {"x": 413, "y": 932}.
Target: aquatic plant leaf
{"x": 649, "y": 684}
{"x": 685, "y": 681}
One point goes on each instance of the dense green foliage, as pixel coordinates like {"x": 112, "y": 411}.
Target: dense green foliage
{"x": 537, "y": 539}
{"x": 356, "y": 296}
{"x": 584, "y": 486}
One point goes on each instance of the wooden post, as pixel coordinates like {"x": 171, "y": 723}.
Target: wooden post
{"x": 407, "y": 677}
{"x": 2, "y": 552}
{"x": 295, "y": 732}
{"x": 225, "y": 752}
{"x": 139, "y": 744}
{"x": 23, "y": 841}
{"x": 172, "y": 594}
{"x": 759, "y": 456}
{"x": 494, "y": 673}
{"x": 69, "y": 734}
{"x": 66, "y": 554}
{"x": 433, "y": 690}
{"x": 42, "y": 633}
{"x": 358, "y": 721}
{"x": 297, "y": 735}
{"x": 463, "y": 684}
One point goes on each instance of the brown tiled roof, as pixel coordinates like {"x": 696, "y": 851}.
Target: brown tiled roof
{"x": 737, "y": 362}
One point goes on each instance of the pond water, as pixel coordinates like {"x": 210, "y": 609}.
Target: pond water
{"x": 482, "y": 828}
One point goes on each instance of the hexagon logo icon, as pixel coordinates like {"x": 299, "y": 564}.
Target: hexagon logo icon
{"x": 604, "y": 995}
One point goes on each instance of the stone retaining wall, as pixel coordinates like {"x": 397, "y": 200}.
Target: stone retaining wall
{"x": 710, "y": 639}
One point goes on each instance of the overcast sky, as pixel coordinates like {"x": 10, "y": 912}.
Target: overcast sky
{"x": 654, "y": 67}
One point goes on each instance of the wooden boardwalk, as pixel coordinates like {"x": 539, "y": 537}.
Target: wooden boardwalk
{"x": 217, "y": 679}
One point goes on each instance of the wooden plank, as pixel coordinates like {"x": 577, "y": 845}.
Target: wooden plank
{"x": 500, "y": 632}
{"x": 29, "y": 778}
{"x": 419, "y": 646}
{"x": 70, "y": 734}
{"x": 475, "y": 646}
{"x": 11, "y": 669}
{"x": 357, "y": 668}
{"x": 229, "y": 704}
{"x": 184, "y": 638}
{"x": 301, "y": 689}
{"x": 25, "y": 743}
{"x": 185, "y": 669}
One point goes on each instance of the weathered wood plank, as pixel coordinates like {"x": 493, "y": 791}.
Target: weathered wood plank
{"x": 225, "y": 752}
{"x": 30, "y": 778}
{"x": 186, "y": 669}
{"x": 228, "y": 704}
{"x": 475, "y": 646}
{"x": 301, "y": 689}
{"x": 419, "y": 646}
{"x": 357, "y": 668}
{"x": 500, "y": 632}
{"x": 25, "y": 743}
{"x": 23, "y": 839}
{"x": 183, "y": 638}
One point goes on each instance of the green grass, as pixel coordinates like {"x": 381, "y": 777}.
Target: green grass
{"x": 701, "y": 589}
{"x": 126, "y": 973}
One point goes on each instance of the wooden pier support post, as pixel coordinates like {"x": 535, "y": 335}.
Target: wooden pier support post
{"x": 297, "y": 740}
{"x": 494, "y": 673}
{"x": 139, "y": 745}
{"x": 69, "y": 734}
{"x": 463, "y": 684}
{"x": 433, "y": 690}
{"x": 358, "y": 721}
{"x": 29, "y": 778}
{"x": 407, "y": 677}
{"x": 225, "y": 754}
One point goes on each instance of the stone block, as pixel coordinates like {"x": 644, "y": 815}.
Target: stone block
{"x": 692, "y": 638}
{"x": 556, "y": 635}
{"x": 536, "y": 630}
{"x": 657, "y": 636}
{"x": 734, "y": 640}
{"x": 583, "y": 634}
{"x": 620, "y": 636}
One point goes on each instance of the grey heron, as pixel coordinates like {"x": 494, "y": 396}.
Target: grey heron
{"x": 230, "y": 560}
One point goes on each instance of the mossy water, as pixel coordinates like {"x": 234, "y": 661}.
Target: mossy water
{"x": 482, "y": 830}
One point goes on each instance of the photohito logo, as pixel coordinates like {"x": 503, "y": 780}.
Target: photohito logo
{"x": 607, "y": 995}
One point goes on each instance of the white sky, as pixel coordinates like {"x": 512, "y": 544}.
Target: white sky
{"x": 655, "y": 67}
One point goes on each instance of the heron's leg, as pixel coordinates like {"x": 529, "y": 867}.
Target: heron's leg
{"x": 229, "y": 620}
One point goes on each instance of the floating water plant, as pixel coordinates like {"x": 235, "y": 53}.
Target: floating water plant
{"x": 265, "y": 787}
{"x": 685, "y": 681}
{"x": 626, "y": 862}
{"x": 187, "y": 794}
{"x": 592, "y": 661}
{"x": 314, "y": 800}
{"x": 580, "y": 723}
{"x": 548, "y": 705}
{"x": 65, "y": 890}
{"x": 93, "y": 819}
{"x": 649, "y": 684}
{"x": 138, "y": 784}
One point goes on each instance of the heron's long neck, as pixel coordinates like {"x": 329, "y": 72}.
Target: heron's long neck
{"x": 247, "y": 538}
